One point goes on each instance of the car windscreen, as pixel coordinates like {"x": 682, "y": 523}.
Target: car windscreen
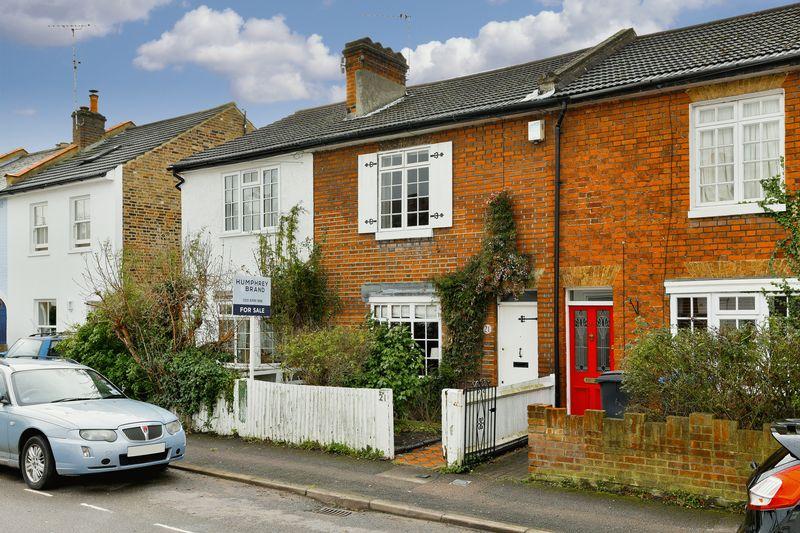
{"x": 53, "y": 385}
{"x": 53, "y": 351}
{"x": 25, "y": 348}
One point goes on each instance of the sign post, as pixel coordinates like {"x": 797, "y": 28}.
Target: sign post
{"x": 252, "y": 296}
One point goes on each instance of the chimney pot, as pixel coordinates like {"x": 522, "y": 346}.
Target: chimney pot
{"x": 93, "y": 97}
{"x": 376, "y": 76}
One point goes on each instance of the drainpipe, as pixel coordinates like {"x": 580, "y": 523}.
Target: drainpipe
{"x": 178, "y": 179}
{"x": 556, "y": 246}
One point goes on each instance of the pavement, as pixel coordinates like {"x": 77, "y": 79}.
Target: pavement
{"x": 177, "y": 501}
{"x": 493, "y": 496}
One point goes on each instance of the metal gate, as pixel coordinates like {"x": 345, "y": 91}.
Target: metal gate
{"x": 480, "y": 421}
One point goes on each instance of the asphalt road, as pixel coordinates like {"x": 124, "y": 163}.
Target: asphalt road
{"x": 177, "y": 502}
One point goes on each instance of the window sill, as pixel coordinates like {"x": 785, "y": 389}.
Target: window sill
{"x": 42, "y": 253}
{"x": 80, "y": 250}
{"x": 419, "y": 233}
{"x": 749, "y": 208}
{"x": 234, "y": 234}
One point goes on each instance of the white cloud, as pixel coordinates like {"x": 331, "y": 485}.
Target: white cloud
{"x": 264, "y": 59}
{"x": 579, "y": 23}
{"x": 25, "y": 112}
{"x": 28, "y": 21}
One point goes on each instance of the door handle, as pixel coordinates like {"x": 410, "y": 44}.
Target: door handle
{"x": 520, "y": 352}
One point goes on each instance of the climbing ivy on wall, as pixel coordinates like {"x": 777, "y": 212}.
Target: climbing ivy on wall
{"x": 497, "y": 270}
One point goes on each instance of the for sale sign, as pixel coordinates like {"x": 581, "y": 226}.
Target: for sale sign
{"x": 251, "y": 295}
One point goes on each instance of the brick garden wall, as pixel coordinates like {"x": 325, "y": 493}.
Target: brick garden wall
{"x": 698, "y": 454}
{"x": 624, "y": 224}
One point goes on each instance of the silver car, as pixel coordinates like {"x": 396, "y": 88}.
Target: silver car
{"x": 61, "y": 418}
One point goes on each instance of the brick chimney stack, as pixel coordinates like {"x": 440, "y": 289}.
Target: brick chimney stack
{"x": 88, "y": 125}
{"x": 376, "y": 76}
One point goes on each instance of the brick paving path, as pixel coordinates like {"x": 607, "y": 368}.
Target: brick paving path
{"x": 427, "y": 457}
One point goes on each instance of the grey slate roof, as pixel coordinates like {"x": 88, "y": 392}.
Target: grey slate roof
{"x": 24, "y": 161}
{"x": 103, "y": 156}
{"x": 738, "y": 41}
{"x": 439, "y": 100}
{"x": 669, "y": 56}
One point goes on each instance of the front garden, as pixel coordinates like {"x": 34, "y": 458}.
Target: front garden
{"x": 157, "y": 329}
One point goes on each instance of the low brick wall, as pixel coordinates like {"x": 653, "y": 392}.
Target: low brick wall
{"x": 698, "y": 454}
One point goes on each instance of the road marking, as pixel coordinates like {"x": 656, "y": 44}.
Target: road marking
{"x": 96, "y": 508}
{"x": 172, "y": 528}
{"x": 40, "y": 493}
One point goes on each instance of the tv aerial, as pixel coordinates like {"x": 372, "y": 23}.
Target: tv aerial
{"x": 73, "y": 28}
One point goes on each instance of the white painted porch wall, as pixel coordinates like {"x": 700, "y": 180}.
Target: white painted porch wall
{"x": 57, "y": 275}
{"x": 358, "y": 418}
{"x": 511, "y": 415}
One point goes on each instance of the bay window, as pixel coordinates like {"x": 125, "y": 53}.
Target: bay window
{"x": 724, "y": 304}
{"x": 235, "y": 330}
{"x": 424, "y": 323}
{"x": 251, "y": 200}
{"x": 736, "y": 143}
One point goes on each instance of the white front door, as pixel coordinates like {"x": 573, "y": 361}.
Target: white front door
{"x": 517, "y": 341}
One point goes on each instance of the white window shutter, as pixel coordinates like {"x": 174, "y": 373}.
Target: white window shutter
{"x": 441, "y": 185}
{"x": 368, "y": 193}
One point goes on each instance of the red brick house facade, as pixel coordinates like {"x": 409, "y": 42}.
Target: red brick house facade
{"x": 659, "y": 172}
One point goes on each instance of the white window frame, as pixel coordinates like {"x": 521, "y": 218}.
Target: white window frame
{"x": 239, "y": 190}
{"x": 39, "y": 248}
{"x": 45, "y": 329}
{"x": 736, "y": 206}
{"x": 235, "y": 203}
{"x": 241, "y": 326}
{"x": 76, "y": 244}
{"x": 377, "y": 302}
{"x": 403, "y": 167}
{"x": 761, "y": 289}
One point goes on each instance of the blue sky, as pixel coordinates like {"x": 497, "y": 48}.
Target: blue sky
{"x": 152, "y": 59}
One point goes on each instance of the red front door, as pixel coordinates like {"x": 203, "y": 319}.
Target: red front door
{"x": 591, "y": 341}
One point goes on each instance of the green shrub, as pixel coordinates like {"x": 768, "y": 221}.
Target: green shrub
{"x": 426, "y": 404}
{"x": 750, "y": 375}
{"x": 194, "y": 378}
{"x": 331, "y": 356}
{"x": 395, "y": 362}
{"x": 94, "y": 344}
{"x": 301, "y": 297}
{"x": 465, "y": 295}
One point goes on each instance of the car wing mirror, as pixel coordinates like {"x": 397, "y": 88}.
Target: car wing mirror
{"x": 4, "y": 399}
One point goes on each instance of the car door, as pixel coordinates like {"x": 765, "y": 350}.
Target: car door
{"x": 5, "y": 419}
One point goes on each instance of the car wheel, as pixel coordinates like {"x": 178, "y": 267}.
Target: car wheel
{"x": 37, "y": 463}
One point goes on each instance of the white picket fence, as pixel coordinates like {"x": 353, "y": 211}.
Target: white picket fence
{"x": 358, "y": 418}
{"x": 511, "y": 414}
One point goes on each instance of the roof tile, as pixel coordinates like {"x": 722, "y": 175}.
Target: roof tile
{"x": 739, "y": 41}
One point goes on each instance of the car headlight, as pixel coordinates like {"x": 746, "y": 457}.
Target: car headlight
{"x": 108, "y": 435}
{"x": 173, "y": 427}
